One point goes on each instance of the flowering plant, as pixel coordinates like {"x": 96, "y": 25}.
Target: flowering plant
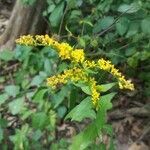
{"x": 81, "y": 73}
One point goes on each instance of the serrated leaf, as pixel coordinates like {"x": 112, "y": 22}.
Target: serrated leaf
{"x": 105, "y": 101}
{"x": 81, "y": 111}
{"x": 12, "y": 90}
{"x": 16, "y": 105}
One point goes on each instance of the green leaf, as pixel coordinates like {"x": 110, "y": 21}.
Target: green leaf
{"x": 105, "y": 104}
{"x": 81, "y": 42}
{"x": 133, "y": 62}
{"x": 84, "y": 21}
{"x": 86, "y": 89}
{"x": 61, "y": 111}
{"x": 132, "y": 8}
{"x": 145, "y": 25}
{"x": 3, "y": 123}
{"x": 48, "y": 66}
{"x": 59, "y": 97}
{"x": 106, "y": 87}
{"x": 73, "y": 97}
{"x": 103, "y": 24}
{"x": 12, "y": 90}
{"x": 3, "y": 98}
{"x": 6, "y": 55}
{"x": 26, "y": 113}
{"x": 37, "y": 135}
{"x": 40, "y": 120}
{"x": 108, "y": 130}
{"x": 144, "y": 55}
{"x": 22, "y": 52}
{"x": 85, "y": 138}
{"x": 16, "y": 105}
{"x": 1, "y": 134}
{"x": 122, "y": 25}
{"x": 74, "y": 3}
{"x": 81, "y": 111}
{"x": 130, "y": 51}
{"x": 39, "y": 95}
{"x": 20, "y": 139}
{"x": 56, "y": 15}
{"x": 50, "y": 8}
{"x": 106, "y": 22}
{"x": 37, "y": 80}
{"x": 133, "y": 29}
{"x": 105, "y": 101}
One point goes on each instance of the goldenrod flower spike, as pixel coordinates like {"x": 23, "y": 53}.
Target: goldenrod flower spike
{"x": 75, "y": 75}
{"x": 27, "y": 40}
{"x": 65, "y": 51}
{"x": 108, "y": 66}
{"x": 95, "y": 93}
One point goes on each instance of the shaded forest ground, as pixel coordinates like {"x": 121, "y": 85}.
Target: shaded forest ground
{"x": 130, "y": 117}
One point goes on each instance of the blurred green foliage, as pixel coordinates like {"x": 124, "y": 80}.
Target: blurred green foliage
{"x": 118, "y": 30}
{"x": 37, "y": 110}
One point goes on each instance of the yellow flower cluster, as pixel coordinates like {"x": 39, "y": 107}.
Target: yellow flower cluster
{"x": 108, "y": 66}
{"x": 27, "y": 40}
{"x": 74, "y": 75}
{"x": 89, "y": 64}
{"x": 64, "y": 50}
{"x": 95, "y": 93}
{"x": 78, "y": 55}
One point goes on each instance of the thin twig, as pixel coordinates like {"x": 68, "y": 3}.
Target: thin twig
{"x": 116, "y": 20}
{"x": 62, "y": 19}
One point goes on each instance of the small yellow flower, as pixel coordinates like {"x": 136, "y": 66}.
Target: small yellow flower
{"x": 26, "y": 40}
{"x": 64, "y": 50}
{"x": 74, "y": 75}
{"x": 95, "y": 93}
{"x": 89, "y": 64}
{"x": 77, "y": 55}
